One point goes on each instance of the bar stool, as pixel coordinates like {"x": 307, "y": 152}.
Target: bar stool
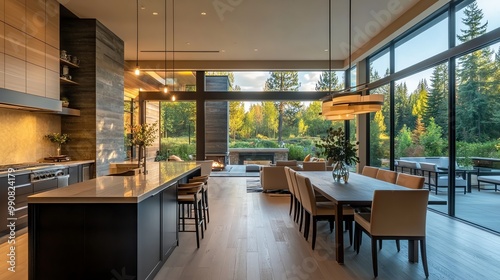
{"x": 204, "y": 196}
{"x": 190, "y": 195}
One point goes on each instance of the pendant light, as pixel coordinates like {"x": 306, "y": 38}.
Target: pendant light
{"x": 350, "y": 102}
{"x": 137, "y": 70}
{"x": 165, "y": 89}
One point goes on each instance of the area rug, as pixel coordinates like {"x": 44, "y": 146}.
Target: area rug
{"x": 253, "y": 186}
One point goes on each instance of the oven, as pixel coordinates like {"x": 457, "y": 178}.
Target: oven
{"x": 48, "y": 178}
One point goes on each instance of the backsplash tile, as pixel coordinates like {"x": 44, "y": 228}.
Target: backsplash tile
{"x": 22, "y": 135}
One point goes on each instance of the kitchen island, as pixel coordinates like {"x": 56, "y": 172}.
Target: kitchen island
{"x": 111, "y": 227}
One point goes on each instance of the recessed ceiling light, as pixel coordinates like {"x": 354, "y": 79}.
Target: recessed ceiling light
{"x": 155, "y": 13}
{"x": 222, "y": 50}
{"x": 143, "y": 8}
{"x": 203, "y": 13}
{"x": 326, "y": 50}
{"x": 255, "y": 50}
{"x": 187, "y": 43}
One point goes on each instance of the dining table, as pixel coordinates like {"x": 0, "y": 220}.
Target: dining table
{"x": 357, "y": 192}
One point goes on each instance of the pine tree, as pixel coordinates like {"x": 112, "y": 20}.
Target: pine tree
{"x": 323, "y": 83}
{"x": 283, "y": 81}
{"x": 437, "y": 100}
{"x": 473, "y": 73}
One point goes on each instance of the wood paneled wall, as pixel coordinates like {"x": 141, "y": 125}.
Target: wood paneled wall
{"x": 29, "y": 46}
{"x": 216, "y": 118}
{"x": 98, "y": 132}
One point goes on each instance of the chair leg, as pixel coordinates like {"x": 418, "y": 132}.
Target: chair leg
{"x": 301, "y": 217}
{"x": 202, "y": 220}
{"x": 205, "y": 196}
{"x": 374, "y": 257}
{"x": 331, "y": 221}
{"x": 307, "y": 225}
{"x": 291, "y": 204}
{"x": 349, "y": 228}
{"x": 296, "y": 211}
{"x": 398, "y": 245}
{"x": 196, "y": 225}
{"x": 314, "y": 220}
{"x": 424, "y": 256}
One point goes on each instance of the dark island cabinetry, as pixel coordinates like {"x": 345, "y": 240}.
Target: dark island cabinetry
{"x": 108, "y": 227}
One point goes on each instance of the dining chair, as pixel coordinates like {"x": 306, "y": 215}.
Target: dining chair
{"x": 315, "y": 210}
{"x": 190, "y": 195}
{"x": 299, "y": 215}
{"x": 386, "y": 175}
{"x": 395, "y": 215}
{"x": 291, "y": 188}
{"x": 370, "y": 171}
{"x": 314, "y": 166}
{"x": 410, "y": 181}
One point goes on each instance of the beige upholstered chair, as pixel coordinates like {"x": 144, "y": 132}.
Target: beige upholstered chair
{"x": 395, "y": 215}
{"x": 370, "y": 171}
{"x": 410, "y": 181}
{"x": 206, "y": 167}
{"x": 314, "y": 166}
{"x": 299, "y": 215}
{"x": 387, "y": 175}
{"x": 315, "y": 210}
{"x": 291, "y": 188}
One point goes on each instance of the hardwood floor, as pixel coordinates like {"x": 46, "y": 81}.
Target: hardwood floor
{"x": 251, "y": 236}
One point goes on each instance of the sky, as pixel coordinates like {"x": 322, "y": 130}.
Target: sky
{"x": 420, "y": 47}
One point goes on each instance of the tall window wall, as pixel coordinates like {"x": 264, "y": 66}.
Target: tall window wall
{"x": 423, "y": 89}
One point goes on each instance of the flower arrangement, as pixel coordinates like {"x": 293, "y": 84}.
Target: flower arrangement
{"x": 334, "y": 146}
{"x": 58, "y": 138}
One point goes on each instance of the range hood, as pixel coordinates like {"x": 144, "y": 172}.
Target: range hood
{"x": 10, "y": 99}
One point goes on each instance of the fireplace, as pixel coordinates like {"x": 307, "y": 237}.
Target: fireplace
{"x": 220, "y": 161}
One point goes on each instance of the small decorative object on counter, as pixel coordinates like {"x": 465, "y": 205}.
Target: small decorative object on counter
{"x": 64, "y": 55}
{"x": 143, "y": 135}
{"x": 59, "y": 139}
{"x": 65, "y": 101}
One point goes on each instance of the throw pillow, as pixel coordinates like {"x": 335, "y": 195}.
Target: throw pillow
{"x": 308, "y": 157}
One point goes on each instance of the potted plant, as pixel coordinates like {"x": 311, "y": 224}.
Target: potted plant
{"x": 59, "y": 139}
{"x": 143, "y": 135}
{"x": 65, "y": 101}
{"x": 342, "y": 152}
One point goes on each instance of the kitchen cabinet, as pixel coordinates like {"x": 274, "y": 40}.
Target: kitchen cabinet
{"x": 79, "y": 173}
{"x": 23, "y": 189}
{"x": 129, "y": 228}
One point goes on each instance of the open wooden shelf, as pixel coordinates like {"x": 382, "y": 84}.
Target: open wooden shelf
{"x": 66, "y": 81}
{"x": 69, "y": 63}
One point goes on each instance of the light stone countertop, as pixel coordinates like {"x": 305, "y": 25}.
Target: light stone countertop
{"x": 119, "y": 189}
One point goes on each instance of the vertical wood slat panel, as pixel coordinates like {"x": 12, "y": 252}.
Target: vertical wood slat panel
{"x": 2, "y": 10}
{"x": 52, "y": 84}
{"x": 35, "y": 19}
{"x": 15, "y": 42}
{"x": 2, "y": 70}
{"x": 52, "y": 27}
{"x": 52, "y": 58}
{"x": 35, "y": 79}
{"x": 15, "y": 14}
{"x": 35, "y": 51}
{"x": 15, "y": 74}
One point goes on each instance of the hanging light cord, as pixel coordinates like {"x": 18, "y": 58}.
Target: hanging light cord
{"x": 330, "y": 47}
{"x": 173, "y": 44}
{"x": 350, "y": 52}
{"x": 165, "y": 46}
{"x": 137, "y": 37}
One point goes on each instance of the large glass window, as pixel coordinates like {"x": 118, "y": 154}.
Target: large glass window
{"x": 281, "y": 80}
{"x": 380, "y": 65}
{"x": 427, "y": 41}
{"x": 478, "y": 133}
{"x": 379, "y": 130}
{"x": 177, "y": 130}
{"x": 475, "y": 18}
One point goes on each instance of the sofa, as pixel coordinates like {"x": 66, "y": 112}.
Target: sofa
{"x": 273, "y": 178}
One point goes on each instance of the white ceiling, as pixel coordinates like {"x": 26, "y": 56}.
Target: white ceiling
{"x": 244, "y": 30}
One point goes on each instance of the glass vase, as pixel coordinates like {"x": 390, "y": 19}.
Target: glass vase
{"x": 58, "y": 150}
{"x": 340, "y": 171}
